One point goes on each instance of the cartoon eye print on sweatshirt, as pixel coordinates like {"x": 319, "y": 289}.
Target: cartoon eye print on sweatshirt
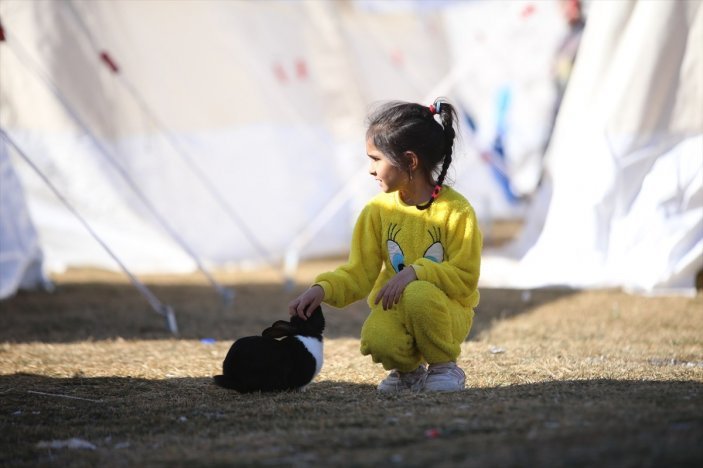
{"x": 395, "y": 253}
{"x": 434, "y": 252}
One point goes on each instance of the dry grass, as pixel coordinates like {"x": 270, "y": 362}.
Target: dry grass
{"x": 555, "y": 377}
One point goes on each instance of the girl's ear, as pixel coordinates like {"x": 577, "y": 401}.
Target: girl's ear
{"x": 413, "y": 160}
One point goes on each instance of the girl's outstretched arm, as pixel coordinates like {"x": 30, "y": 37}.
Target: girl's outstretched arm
{"x": 355, "y": 279}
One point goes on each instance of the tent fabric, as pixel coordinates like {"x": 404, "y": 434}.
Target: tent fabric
{"x": 624, "y": 203}
{"x": 275, "y": 124}
{"x": 255, "y": 117}
{"x": 20, "y": 253}
{"x": 268, "y": 100}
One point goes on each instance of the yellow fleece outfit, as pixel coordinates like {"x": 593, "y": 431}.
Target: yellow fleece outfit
{"x": 435, "y": 313}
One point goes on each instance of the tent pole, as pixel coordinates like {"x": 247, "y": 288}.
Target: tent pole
{"x": 227, "y": 295}
{"x": 265, "y": 254}
{"x": 292, "y": 255}
{"x": 159, "y": 307}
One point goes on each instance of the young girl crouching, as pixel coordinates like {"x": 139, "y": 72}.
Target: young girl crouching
{"x": 415, "y": 253}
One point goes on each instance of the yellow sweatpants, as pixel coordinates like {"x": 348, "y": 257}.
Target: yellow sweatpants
{"x": 425, "y": 325}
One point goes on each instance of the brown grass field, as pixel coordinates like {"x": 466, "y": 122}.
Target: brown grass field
{"x": 555, "y": 378}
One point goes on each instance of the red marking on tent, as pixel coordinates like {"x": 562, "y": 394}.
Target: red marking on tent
{"x": 301, "y": 69}
{"x": 528, "y": 11}
{"x": 2, "y": 33}
{"x": 398, "y": 58}
{"x": 280, "y": 73}
{"x": 107, "y": 60}
{"x": 432, "y": 29}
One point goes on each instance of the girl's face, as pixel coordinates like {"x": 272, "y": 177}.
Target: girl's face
{"x": 390, "y": 178}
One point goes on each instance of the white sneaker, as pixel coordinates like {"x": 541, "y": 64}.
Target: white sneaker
{"x": 401, "y": 381}
{"x": 446, "y": 377}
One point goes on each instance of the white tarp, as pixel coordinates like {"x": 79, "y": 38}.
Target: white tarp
{"x": 625, "y": 204}
{"x": 266, "y": 101}
{"x": 20, "y": 253}
{"x": 251, "y": 117}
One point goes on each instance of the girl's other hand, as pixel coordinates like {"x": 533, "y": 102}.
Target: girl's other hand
{"x": 307, "y": 302}
{"x": 390, "y": 293}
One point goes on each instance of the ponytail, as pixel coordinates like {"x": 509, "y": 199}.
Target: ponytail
{"x": 447, "y": 117}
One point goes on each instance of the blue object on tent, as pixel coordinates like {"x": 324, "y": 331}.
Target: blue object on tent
{"x": 469, "y": 120}
{"x": 502, "y": 104}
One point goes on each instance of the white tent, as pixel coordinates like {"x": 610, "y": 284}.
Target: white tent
{"x": 240, "y": 122}
{"x": 237, "y": 121}
{"x": 624, "y": 203}
{"x": 20, "y": 253}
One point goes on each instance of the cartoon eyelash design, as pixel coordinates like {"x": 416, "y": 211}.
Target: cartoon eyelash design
{"x": 392, "y": 231}
{"x": 395, "y": 253}
{"x": 435, "y": 252}
{"x": 435, "y": 234}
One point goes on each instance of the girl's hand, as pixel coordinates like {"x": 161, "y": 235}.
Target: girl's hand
{"x": 390, "y": 293}
{"x": 306, "y": 303}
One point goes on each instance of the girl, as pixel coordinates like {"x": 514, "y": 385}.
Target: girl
{"x": 415, "y": 252}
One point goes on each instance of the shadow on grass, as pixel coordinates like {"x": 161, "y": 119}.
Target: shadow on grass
{"x": 84, "y": 311}
{"x": 500, "y": 304}
{"x": 191, "y": 421}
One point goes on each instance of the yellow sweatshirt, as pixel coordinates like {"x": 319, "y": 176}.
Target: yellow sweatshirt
{"x": 443, "y": 245}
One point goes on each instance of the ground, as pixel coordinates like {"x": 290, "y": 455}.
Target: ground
{"x": 555, "y": 377}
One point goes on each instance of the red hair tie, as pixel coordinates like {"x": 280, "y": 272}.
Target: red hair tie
{"x": 435, "y": 192}
{"x": 433, "y": 109}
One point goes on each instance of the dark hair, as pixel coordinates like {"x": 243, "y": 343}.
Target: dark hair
{"x": 397, "y": 127}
